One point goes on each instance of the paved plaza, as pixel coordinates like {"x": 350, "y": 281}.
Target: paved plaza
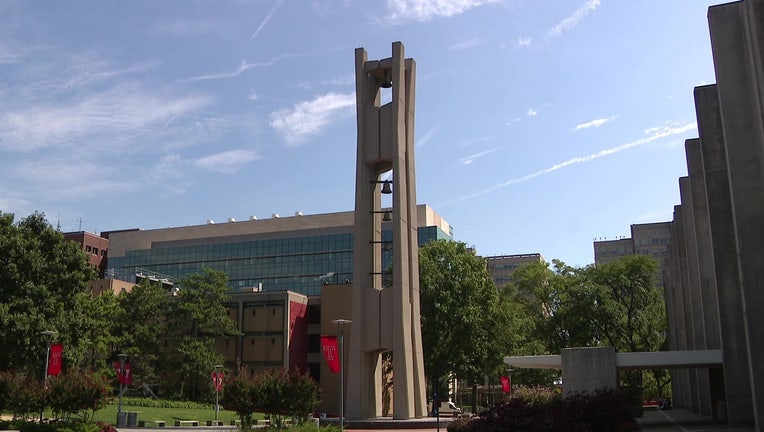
{"x": 677, "y": 420}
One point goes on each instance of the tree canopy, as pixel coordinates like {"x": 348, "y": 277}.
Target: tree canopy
{"x": 43, "y": 284}
{"x": 460, "y": 312}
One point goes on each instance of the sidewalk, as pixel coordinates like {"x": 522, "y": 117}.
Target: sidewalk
{"x": 682, "y": 420}
{"x": 653, "y": 420}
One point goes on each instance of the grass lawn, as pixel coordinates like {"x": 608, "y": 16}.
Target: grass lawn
{"x": 108, "y": 414}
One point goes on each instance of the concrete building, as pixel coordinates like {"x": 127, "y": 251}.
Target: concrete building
{"x": 281, "y": 272}
{"x": 501, "y": 267}
{"x": 297, "y": 253}
{"x": 649, "y": 239}
{"x": 714, "y": 288}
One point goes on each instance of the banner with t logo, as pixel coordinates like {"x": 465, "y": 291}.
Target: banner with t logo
{"x": 331, "y": 352}
{"x": 54, "y": 361}
{"x": 124, "y": 373}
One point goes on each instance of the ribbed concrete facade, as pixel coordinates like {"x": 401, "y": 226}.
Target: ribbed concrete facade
{"x": 714, "y": 288}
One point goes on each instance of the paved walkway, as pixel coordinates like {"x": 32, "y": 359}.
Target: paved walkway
{"x": 676, "y": 420}
{"x": 681, "y": 420}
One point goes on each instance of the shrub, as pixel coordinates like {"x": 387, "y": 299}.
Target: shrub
{"x": 457, "y": 425}
{"x": 77, "y": 393}
{"x": 241, "y": 395}
{"x": 26, "y": 397}
{"x": 532, "y": 410}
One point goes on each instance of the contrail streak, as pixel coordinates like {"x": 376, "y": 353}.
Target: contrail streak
{"x": 576, "y": 160}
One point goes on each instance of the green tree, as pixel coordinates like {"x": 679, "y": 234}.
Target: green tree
{"x": 198, "y": 316}
{"x": 141, "y": 325}
{"x": 460, "y": 313}
{"x": 630, "y": 311}
{"x": 41, "y": 278}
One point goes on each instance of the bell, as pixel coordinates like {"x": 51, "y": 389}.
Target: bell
{"x": 387, "y": 80}
{"x": 387, "y": 188}
{"x": 387, "y": 216}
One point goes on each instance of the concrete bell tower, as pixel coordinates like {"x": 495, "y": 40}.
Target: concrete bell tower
{"x": 385, "y": 318}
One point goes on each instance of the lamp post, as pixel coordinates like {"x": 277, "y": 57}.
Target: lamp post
{"x": 120, "y": 415}
{"x": 341, "y": 324}
{"x": 48, "y": 334}
{"x": 218, "y": 370}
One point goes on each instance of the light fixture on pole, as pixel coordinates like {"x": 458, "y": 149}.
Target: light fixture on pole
{"x": 121, "y": 421}
{"x": 217, "y": 380}
{"x": 341, "y": 324}
{"x": 48, "y": 334}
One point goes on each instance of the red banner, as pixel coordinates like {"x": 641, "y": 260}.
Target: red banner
{"x": 217, "y": 380}
{"x": 506, "y": 384}
{"x": 54, "y": 361}
{"x": 125, "y": 375}
{"x": 331, "y": 352}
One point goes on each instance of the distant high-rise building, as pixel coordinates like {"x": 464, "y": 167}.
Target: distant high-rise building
{"x": 298, "y": 253}
{"x": 650, "y": 239}
{"x": 94, "y": 245}
{"x": 501, "y": 267}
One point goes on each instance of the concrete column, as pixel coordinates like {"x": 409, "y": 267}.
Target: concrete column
{"x": 693, "y": 401}
{"x": 385, "y": 317}
{"x": 588, "y": 369}
{"x": 732, "y": 329}
{"x": 695, "y": 298}
{"x": 680, "y": 378}
{"x": 736, "y": 40}
{"x": 707, "y": 277}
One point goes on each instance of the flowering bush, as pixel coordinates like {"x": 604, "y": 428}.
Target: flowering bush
{"x": 77, "y": 394}
{"x": 25, "y": 397}
{"x": 276, "y": 393}
{"x": 539, "y": 409}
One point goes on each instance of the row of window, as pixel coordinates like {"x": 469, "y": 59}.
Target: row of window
{"x": 301, "y": 264}
{"x": 94, "y": 250}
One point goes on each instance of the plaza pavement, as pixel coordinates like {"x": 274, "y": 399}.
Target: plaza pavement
{"x": 653, "y": 420}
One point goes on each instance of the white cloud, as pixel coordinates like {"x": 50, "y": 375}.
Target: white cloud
{"x": 531, "y": 112}
{"x": 426, "y": 10}
{"x": 118, "y": 113}
{"x": 467, "y": 43}
{"x": 471, "y": 158}
{"x": 60, "y": 177}
{"x": 658, "y": 133}
{"x": 227, "y": 161}
{"x": 594, "y": 123}
{"x": 572, "y": 20}
{"x": 523, "y": 42}
{"x": 309, "y": 117}
{"x": 343, "y": 81}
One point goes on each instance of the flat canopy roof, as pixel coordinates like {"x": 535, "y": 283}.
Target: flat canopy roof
{"x": 634, "y": 360}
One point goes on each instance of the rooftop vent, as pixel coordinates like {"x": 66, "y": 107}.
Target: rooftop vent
{"x": 231, "y": 219}
{"x": 210, "y": 222}
{"x": 275, "y": 216}
{"x": 253, "y": 217}
{"x": 298, "y": 213}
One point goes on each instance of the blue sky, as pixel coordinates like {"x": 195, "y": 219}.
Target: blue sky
{"x": 540, "y": 125}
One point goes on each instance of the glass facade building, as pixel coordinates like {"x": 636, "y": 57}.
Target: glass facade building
{"x": 285, "y": 255}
